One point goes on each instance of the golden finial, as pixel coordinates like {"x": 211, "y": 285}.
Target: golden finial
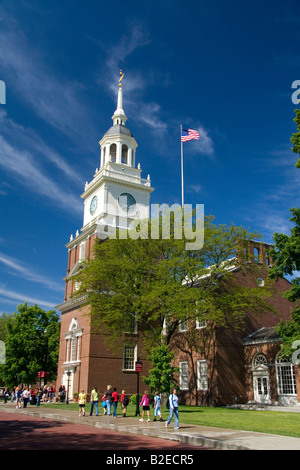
{"x": 121, "y": 77}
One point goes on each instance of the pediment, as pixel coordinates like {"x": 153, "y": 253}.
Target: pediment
{"x": 75, "y": 269}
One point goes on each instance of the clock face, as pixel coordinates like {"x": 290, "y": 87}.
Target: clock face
{"x": 93, "y": 205}
{"x": 127, "y": 202}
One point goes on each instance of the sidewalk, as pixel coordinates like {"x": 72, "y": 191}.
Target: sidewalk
{"x": 204, "y": 436}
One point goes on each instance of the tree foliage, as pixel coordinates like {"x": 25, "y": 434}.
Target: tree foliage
{"x": 159, "y": 284}
{"x": 286, "y": 257}
{"x": 162, "y": 376}
{"x": 295, "y": 139}
{"x": 32, "y": 343}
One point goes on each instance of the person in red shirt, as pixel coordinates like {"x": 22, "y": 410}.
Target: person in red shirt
{"x": 125, "y": 402}
{"x": 115, "y": 397}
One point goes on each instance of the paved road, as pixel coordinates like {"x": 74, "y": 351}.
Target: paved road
{"x": 23, "y": 432}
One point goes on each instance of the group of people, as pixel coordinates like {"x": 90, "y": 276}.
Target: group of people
{"x": 172, "y": 403}
{"x": 111, "y": 398}
{"x": 29, "y": 395}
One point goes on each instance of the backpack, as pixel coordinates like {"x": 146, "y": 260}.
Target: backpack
{"x": 125, "y": 400}
{"x": 168, "y": 404}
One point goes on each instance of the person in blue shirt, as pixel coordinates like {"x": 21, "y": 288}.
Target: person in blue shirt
{"x": 157, "y": 403}
{"x": 173, "y": 402}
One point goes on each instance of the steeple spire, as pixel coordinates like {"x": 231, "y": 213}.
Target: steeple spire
{"x": 119, "y": 116}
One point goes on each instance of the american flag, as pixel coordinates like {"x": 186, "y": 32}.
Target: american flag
{"x": 189, "y": 134}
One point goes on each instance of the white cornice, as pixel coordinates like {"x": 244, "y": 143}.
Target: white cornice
{"x": 71, "y": 304}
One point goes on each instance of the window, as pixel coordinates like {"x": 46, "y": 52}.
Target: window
{"x": 82, "y": 251}
{"x": 200, "y": 322}
{"x": 256, "y": 255}
{"x": 124, "y": 153}
{"x": 286, "y": 382}
{"x": 73, "y": 342}
{"x": 183, "y": 325}
{"x": 260, "y": 359}
{"x": 113, "y": 152}
{"x": 202, "y": 375}
{"x": 130, "y": 324}
{"x": 73, "y": 349}
{"x": 201, "y": 318}
{"x": 129, "y": 357}
{"x": 184, "y": 375}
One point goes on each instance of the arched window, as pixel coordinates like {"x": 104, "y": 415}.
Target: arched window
{"x": 260, "y": 359}
{"x": 73, "y": 342}
{"x": 124, "y": 154}
{"x": 286, "y": 381}
{"x": 113, "y": 152}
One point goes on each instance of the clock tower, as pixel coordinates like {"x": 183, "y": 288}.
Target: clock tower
{"x": 115, "y": 196}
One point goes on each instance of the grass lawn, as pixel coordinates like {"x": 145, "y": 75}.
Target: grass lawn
{"x": 271, "y": 422}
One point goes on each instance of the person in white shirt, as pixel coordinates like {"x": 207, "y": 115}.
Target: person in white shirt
{"x": 173, "y": 402}
{"x": 26, "y": 396}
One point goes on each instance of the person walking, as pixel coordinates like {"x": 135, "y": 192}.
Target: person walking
{"x": 39, "y": 394}
{"x": 104, "y": 405}
{"x": 145, "y": 401}
{"x": 157, "y": 403}
{"x": 173, "y": 402}
{"x": 94, "y": 401}
{"x": 124, "y": 403}
{"x": 26, "y": 396}
{"x": 115, "y": 397}
{"x": 6, "y": 394}
{"x": 81, "y": 402}
{"x": 19, "y": 396}
{"x": 108, "y": 399}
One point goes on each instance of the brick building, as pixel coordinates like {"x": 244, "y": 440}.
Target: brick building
{"x": 116, "y": 195}
{"x": 228, "y": 366}
{"x": 235, "y": 366}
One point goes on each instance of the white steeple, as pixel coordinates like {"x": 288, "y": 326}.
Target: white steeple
{"x": 118, "y": 179}
{"x": 119, "y": 116}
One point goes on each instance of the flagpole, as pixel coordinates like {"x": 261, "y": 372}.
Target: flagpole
{"x": 182, "y": 192}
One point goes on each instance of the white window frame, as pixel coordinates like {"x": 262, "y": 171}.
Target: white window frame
{"x": 82, "y": 251}
{"x": 184, "y": 382}
{"x": 200, "y": 324}
{"x": 183, "y": 326}
{"x": 129, "y": 360}
{"x": 135, "y": 326}
{"x": 286, "y": 381}
{"x": 202, "y": 374}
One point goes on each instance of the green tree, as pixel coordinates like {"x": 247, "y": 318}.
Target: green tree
{"x": 162, "y": 376}
{"x": 32, "y": 342}
{"x": 286, "y": 257}
{"x": 159, "y": 284}
{"x": 295, "y": 139}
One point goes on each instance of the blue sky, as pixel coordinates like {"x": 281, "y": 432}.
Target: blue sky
{"x": 223, "y": 68}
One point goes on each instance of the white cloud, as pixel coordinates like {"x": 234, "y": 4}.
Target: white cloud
{"x": 52, "y": 98}
{"x": 194, "y": 188}
{"x": 22, "y": 165}
{"x": 18, "y": 268}
{"x": 143, "y": 112}
{"x": 21, "y": 298}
